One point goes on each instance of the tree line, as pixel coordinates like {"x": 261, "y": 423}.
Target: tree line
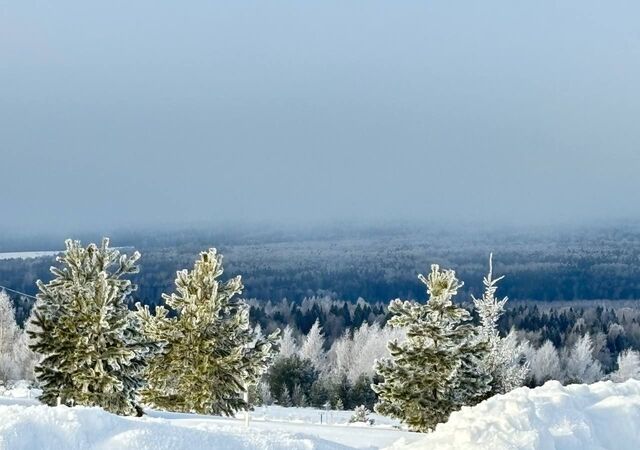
{"x": 200, "y": 351}
{"x": 378, "y": 265}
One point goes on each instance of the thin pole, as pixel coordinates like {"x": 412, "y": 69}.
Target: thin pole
{"x": 246, "y": 400}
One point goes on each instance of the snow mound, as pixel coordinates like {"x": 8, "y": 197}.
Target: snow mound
{"x": 598, "y": 416}
{"x": 25, "y": 425}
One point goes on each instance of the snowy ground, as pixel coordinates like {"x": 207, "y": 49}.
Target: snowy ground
{"x": 600, "y": 416}
{"x": 27, "y": 425}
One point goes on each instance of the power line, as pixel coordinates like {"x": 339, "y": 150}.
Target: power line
{"x": 18, "y": 292}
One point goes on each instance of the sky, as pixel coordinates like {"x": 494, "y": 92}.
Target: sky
{"x": 131, "y": 114}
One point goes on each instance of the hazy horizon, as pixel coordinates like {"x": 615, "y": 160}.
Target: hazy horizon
{"x": 150, "y": 114}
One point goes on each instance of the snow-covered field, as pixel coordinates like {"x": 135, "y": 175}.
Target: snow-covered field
{"x": 27, "y": 255}
{"x": 27, "y": 425}
{"x": 600, "y": 416}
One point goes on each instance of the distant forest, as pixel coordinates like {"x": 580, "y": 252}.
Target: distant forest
{"x": 375, "y": 264}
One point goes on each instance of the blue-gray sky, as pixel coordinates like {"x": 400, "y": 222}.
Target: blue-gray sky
{"x": 152, "y": 112}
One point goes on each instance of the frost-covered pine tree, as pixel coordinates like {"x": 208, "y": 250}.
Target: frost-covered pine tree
{"x": 211, "y": 354}
{"x": 92, "y": 351}
{"x": 504, "y": 361}
{"x": 360, "y": 415}
{"x": 628, "y": 366}
{"x": 439, "y": 367}
{"x": 313, "y": 348}
{"x": 580, "y": 366}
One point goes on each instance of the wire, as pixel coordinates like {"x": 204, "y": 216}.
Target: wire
{"x": 18, "y": 292}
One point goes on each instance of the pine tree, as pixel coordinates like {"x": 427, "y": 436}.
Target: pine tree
{"x": 93, "y": 353}
{"x": 504, "y": 359}
{"x": 211, "y": 353}
{"x": 360, "y": 414}
{"x": 439, "y": 367}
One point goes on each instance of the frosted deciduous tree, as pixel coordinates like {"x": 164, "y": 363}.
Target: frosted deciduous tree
{"x": 504, "y": 361}
{"x": 8, "y": 327}
{"x": 28, "y": 357}
{"x": 354, "y": 355}
{"x": 341, "y": 355}
{"x": 312, "y": 348}
{"x": 628, "y": 366}
{"x": 211, "y": 353}
{"x": 288, "y": 345}
{"x": 92, "y": 351}
{"x": 580, "y": 366}
{"x": 545, "y": 364}
{"x": 439, "y": 367}
{"x": 9, "y": 334}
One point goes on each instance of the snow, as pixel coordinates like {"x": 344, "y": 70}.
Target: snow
{"x": 28, "y": 255}
{"x": 599, "y": 416}
{"x": 27, "y": 425}
{"x": 275, "y": 413}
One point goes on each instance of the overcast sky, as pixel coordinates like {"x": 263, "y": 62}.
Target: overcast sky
{"x": 149, "y": 112}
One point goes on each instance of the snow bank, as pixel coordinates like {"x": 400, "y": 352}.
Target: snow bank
{"x": 26, "y": 425}
{"x": 599, "y": 416}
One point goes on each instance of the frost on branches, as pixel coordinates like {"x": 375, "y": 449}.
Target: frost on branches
{"x": 504, "y": 361}
{"x": 92, "y": 352}
{"x": 313, "y": 348}
{"x": 580, "y": 366}
{"x": 16, "y": 359}
{"x": 211, "y": 354}
{"x": 439, "y": 367}
{"x": 628, "y": 366}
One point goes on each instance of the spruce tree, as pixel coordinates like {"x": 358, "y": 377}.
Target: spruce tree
{"x": 211, "y": 354}
{"x": 438, "y": 368}
{"x": 92, "y": 351}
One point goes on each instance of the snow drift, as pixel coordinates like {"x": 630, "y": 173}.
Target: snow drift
{"x": 598, "y": 416}
{"x": 25, "y": 425}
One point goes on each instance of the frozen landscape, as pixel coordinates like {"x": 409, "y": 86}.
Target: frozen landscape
{"x": 272, "y": 225}
{"x": 600, "y": 416}
{"x": 25, "y": 424}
